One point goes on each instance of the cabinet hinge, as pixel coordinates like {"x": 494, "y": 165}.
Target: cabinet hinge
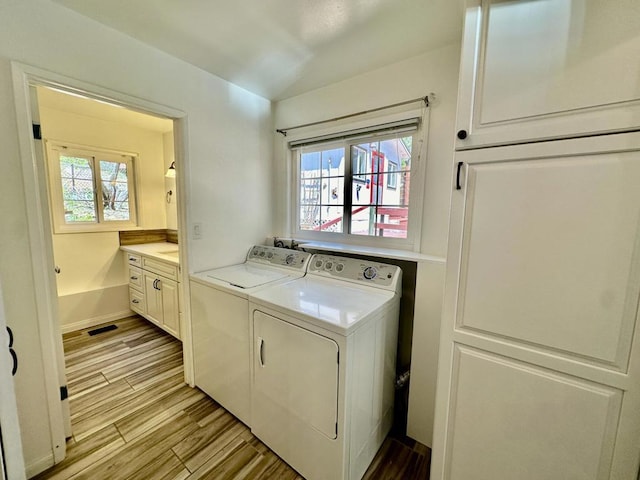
{"x": 64, "y": 393}
{"x": 37, "y": 132}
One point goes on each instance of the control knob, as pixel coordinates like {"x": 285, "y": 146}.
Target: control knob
{"x": 290, "y": 258}
{"x": 370, "y": 273}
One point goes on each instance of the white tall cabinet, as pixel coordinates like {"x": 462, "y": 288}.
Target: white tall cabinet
{"x": 539, "y": 367}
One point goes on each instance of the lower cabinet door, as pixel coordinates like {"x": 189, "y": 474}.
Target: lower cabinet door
{"x": 170, "y": 306}
{"x": 513, "y": 420}
{"x": 153, "y": 298}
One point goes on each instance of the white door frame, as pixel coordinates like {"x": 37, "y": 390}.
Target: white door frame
{"x": 38, "y": 218}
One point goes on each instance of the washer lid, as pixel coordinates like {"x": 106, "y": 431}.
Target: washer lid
{"x": 333, "y": 304}
{"x": 246, "y": 276}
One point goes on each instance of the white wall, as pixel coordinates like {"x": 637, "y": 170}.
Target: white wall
{"x": 171, "y": 208}
{"x": 435, "y": 71}
{"x": 228, "y": 144}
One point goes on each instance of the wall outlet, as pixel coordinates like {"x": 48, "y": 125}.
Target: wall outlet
{"x": 197, "y": 231}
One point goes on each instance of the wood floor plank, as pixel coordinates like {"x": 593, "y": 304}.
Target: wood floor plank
{"x": 142, "y": 451}
{"x": 207, "y": 441}
{"x": 235, "y": 465}
{"x": 167, "y": 367}
{"x": 76, "y": 343}
{"x": 148, "y": 424}
{"x": 165, "y": 467}
{"x": 93, "y": 419}
{"x": 86, "y": 385}
{"x": 120, "y": 356}
{"x": 145, "y": 419}
{"x": 98, "y": 398}
{"x": 203, "y": 472}
{"x": 138, "y": 359}
{"x": 203, "y": 410}
{"x": 81, "y": 455}
{"x": 146, "y": 337}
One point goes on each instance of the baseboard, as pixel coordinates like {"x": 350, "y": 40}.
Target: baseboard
{"x": 39, "y": 466}
{"x": 95, "y": 321}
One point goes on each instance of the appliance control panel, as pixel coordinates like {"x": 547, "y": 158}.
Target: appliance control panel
{"x": 280, "y": 257}
{"x": 366, "y": 272}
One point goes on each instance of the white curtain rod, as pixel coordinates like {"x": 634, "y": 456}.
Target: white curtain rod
{"x": 424, "y": 99}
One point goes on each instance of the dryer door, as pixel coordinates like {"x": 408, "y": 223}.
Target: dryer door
{"x": 298, "y": 371}
{"x": 295, "y": 390}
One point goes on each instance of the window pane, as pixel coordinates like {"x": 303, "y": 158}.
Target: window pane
{"x": 309, "y": 217}
{"x": 115, "y": 190}
{"x": 333, "y": 191}
{"x": 322, "y": 189}
{"x": 331, "y": 219}
{"x": 380, "y": 221}
{"x": 362, "y": 220}
{"x": 322, "y": 163}
{"x": 396, "y": 188}
{"x": 333, "y": 162}
{"x": 78, "y": 193}
{"x": 360, "y": 163}
{"x": 392, "y": 222}
{"x": 310, "y": 164}
{"x": 368, "y": 190}
{"x": 310, "y": 192}
{"x": 396, "y": 151}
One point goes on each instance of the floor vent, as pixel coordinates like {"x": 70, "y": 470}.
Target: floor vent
{"x": 96, "y": 331}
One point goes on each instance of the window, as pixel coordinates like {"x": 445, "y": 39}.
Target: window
{"x": 392, "y": 177}
{"x": 90, "y": 189}
{"x": 355, "y": 189}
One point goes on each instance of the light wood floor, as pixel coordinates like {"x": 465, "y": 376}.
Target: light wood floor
{"x": 134, "y": 418}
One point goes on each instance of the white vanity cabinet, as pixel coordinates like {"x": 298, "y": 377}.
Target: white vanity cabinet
{"x": 541, "y": 70}
{"x": 154, "y": 290}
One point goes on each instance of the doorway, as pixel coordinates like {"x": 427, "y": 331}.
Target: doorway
{"x": 106, "y": 169}
{"x": 26, "y": 79}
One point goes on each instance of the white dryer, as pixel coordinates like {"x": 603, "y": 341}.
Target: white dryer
{"x": 324, "y": 365}
{"x": 220, "y": 322}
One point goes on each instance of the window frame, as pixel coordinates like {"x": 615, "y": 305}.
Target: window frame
{"x": 96, "y": 154}
{"x": 416, "y": 194}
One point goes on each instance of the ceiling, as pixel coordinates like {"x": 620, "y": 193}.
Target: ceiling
{"x": 72, "y": 103}
{"x": 282, "y": 48}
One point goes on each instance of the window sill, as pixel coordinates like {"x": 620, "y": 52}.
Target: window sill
{"x": 371, "y": 251}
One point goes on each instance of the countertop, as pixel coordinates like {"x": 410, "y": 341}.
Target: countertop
{"x": 164, "y": 251}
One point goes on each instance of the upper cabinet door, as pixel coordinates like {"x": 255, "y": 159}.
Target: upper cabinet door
{"x": 548, "y": 69}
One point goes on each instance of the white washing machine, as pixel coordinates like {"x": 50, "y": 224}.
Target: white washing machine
{"x": 220, "y": 322}
{"x": 324, "y": 365}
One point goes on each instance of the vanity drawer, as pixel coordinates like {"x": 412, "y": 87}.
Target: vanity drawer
{"x": 134, "y": 259}
{"x": 160, "y": 268}
{"x": 137, "y": 301}
{"x": 135, "y": 277}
